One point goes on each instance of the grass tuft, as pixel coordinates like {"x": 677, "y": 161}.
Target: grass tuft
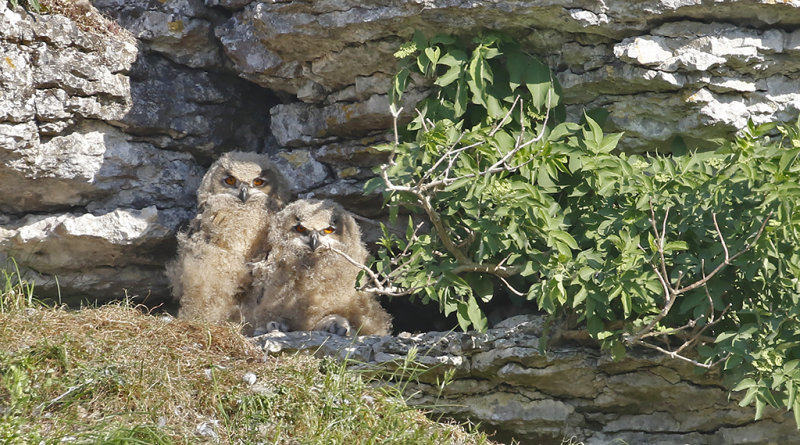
{"x": 116, "y": 374}
{"x": 17, "y": 292}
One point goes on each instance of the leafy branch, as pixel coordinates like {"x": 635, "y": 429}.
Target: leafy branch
{"x": 672, "y": 290}
{"x": 520, "y": 203}
{"x": 425, "y": 189}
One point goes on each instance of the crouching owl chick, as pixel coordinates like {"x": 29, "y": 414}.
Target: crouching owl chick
{"x": 237, "y": 201}
{"x": 305, "y": 284}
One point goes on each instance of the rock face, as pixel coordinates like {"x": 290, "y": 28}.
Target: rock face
{"x": 125, "y": 116}
{"x": 502, "y": 380}
{"x": 663, "y": 68}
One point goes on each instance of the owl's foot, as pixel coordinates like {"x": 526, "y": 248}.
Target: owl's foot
{"x": 334, "y": 324}
{"x": 272, "y": 326}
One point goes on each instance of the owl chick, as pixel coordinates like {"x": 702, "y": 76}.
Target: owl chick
{"x": 305, "y": 284}
{"x": 236, "y": 202}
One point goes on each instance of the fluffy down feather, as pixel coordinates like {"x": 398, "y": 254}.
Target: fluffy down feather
{"x": 237, "y": 202}
{"x": 305, "y": 285}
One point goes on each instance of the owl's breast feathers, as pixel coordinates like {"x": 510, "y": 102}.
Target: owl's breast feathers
{"x": 237, "y": 227}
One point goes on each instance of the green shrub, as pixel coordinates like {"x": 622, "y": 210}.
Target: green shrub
{"x": 31, "y": 5}
{"x": 694, "y": 255}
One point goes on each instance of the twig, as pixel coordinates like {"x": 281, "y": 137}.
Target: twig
{"x": 503, "y": 120}
{"x": 675, "y": 355}
{"x": 671, "y": 292}
{"x": 511, "y": 288}
{"x": 379, "y": 288}
{"x": 728, "y": 259}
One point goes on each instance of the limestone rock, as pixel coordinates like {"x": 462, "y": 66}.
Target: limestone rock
{"x": 716, "y": 64}
{"x": 97, "y": 167}
{"x": 301, "y": 124}
{"x": 350, "y": 191}
{"x": 301, "y": 169}
{"x": 502, "y": 380}
{"x": 77, "y": 242}
{"x": 90, "y": 198}
{"x": 203, "y": 113}
{"x": 94, "y": 253}
{"x": 360, "y": 153}
{"x": 180, "y": 30}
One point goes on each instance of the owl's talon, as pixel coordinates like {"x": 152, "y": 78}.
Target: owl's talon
{"x": 272, "y": 326}
{"x": 333, "y": 324}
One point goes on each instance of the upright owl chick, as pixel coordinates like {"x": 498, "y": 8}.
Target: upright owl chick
{"x": 237, "y": 202}
{"x": 305, "y": 285}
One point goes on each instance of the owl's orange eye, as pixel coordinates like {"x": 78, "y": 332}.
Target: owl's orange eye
{"x": 328, "y": 230}
{"x": 258, "y": 182}
{"x": 300, "y": 229}
{"x": 230, "y": 180}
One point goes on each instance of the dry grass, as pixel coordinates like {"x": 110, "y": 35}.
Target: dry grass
{"x": 115, "y": 374}
{"x": 81, "y": 12}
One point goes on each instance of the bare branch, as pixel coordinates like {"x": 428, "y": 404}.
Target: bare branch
{"x": 379, "y": 287}
{"x": 662, "y": 279}
{"x": 503, "y": 121}
{"x": 678, "y": 356}
{"x": 728, "y": 259}
{"x": 672, "y": 293}
{"x": 395, "y": 117}
{"x": 511, "y": 288}
{"x": 660, "y": 245}
{"x": 721, "y": 238}
{"x": 494, "y": 269}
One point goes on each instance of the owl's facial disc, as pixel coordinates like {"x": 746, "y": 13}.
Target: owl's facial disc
{"x": 314, "y": 238}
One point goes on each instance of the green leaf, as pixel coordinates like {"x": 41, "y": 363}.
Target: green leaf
{"x": 460, "y": 100}
{"x": 449, "y": 77}
{"x": 760, "y": 405}
{"x": 419, "y": 39}
{"x": 538, "y": 80}
{"x": 796, "y": 410}
{"x": 618, "y": 351}
{"x": 595, "y": 326}
{"x": 626, "y": 304}
{"x": 565, "y": 238}
{"x": 609, "y": 143}
{"x": 399, "y": 84}
{"x": 749, "y": 396}
{"x": 469, "y": 313}
{"x": 563, "y": 130}
{"x": 594, "y": 137}
{"x": 444, "y": 39}
{"x": 543, "y": 179}
{"x": 372, "y": 185}
{"x": 579, "y": 297}
{"x": 482, "y": 287}
{"x": 672, "y": 246}
{"x": 433, "y": 54}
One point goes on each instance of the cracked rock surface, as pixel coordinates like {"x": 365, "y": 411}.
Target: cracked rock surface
{"x": 128, "y": 117}
{"x": 502, "y": 379}
{"x": 663, "y": 68}
{"x": 102, "y": 147}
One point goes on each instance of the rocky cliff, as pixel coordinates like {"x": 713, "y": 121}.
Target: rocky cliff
{"x": 106, "y": 130}
{"x": 503, "y": 379}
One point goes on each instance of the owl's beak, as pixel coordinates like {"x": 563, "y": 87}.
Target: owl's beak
{"x": 314, "y": 243}
{"x": 244, "y": 191}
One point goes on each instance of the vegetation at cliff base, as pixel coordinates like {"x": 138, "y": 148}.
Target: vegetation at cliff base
{"x": 117, "y": 375}
{"x": 693, "y": 254}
